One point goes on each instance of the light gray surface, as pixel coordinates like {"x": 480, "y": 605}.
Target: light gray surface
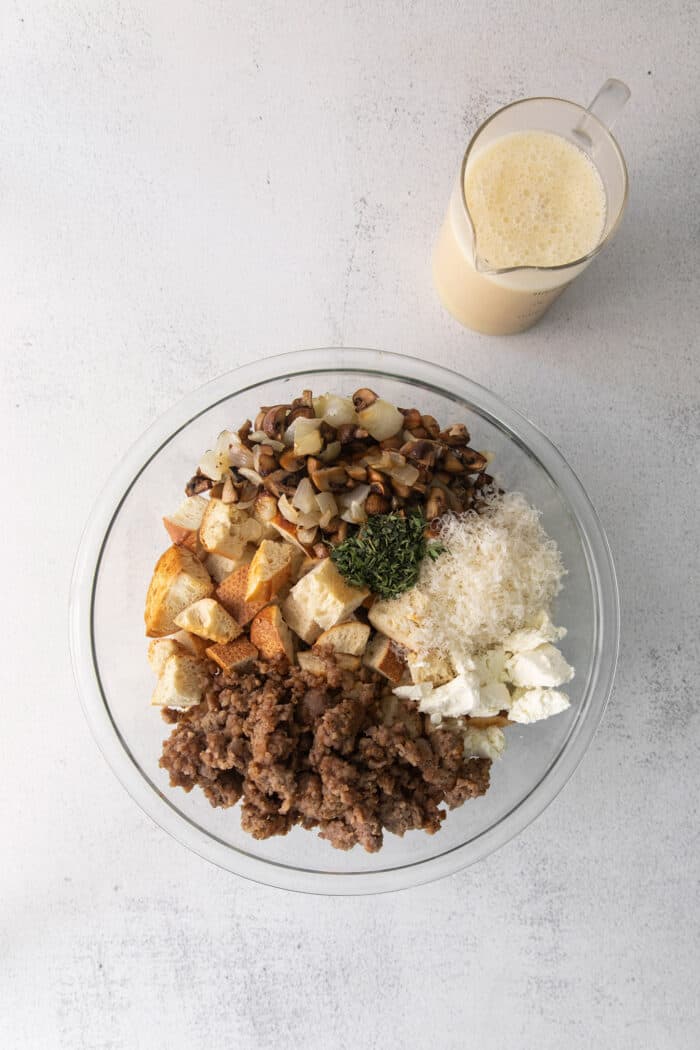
{"x": 186, "y": 186}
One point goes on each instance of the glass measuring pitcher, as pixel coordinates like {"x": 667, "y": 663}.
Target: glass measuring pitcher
{"x": 511, "y": 299}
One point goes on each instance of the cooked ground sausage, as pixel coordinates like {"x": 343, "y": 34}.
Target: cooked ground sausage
{"x": 330, "y": 752}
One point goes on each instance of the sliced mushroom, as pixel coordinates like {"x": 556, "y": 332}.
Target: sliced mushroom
{"x": 430, "y": 424}
{"x": 401, "y": 490}
{"x": 243, "y": 433}
{"x": 356, "y": 471}
{"x": 281, "y": 482}
{"x": 411, "y": 418}
{"x": 363, "y": 398}
{"x": 198, "y": 483}
{"x": 455, "y": 436}
{"x": 264, "y": 460}
{"x": 299, "y": 412}
{"x": 436, "y": 504}
{"x": 393, "y": 442}
{"x": 421, "y": 452}
{"x": 473, "y": 461}
{"x": 260, "y": 417}
{"x": 229, "y": 493}
{"x": 327, "y": 479}
{"x": 274, "y": 421}
{"x": 453, "y": 463}
{"x": 376, "y": 503}
{"x": 290, "y": 461}
{"x": 320, "y": 550}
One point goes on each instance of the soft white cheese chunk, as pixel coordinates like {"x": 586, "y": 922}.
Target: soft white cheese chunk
{"x": 540, "y": 631}
{"x": 457, "y": 697}
{"x": 484, "y": 743}
{"x": 544, "y": 666}
{"x": 493, "y": 697}
{"x": 532, "y": 705}
{"x": 491, "y": 665}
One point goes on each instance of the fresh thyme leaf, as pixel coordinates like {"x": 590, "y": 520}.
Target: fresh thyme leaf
{"x": 385, "y": 554}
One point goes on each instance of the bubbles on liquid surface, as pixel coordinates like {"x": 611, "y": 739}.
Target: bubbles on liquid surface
{"x": 535, "y": 200}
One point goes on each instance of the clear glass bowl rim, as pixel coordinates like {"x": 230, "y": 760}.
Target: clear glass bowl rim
{"x": 372, "y": 363}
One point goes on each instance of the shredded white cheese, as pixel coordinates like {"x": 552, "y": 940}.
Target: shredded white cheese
{"x": 499, "y": 571}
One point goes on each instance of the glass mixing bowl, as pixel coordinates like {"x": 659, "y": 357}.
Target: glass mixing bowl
{"x": 125, "y": 536}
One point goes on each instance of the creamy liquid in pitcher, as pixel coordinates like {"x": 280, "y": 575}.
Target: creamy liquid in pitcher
{"x": 535, "y": 200}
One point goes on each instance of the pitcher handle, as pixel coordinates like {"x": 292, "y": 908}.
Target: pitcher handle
{"x": 605, "y": 107}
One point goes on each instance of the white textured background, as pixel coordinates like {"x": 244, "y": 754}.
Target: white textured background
{"x": 189, "y": 185}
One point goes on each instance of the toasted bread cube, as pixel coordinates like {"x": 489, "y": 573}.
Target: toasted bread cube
{"x": 231, "y": 594}
{"x": 430, "y": 666}
{"x": 350, "y": 637}
{"x": 270, "y": 634}
{"x": 225, "y": 529}
{"x": 208, "y": 619}
{"x": 269, "y": 571}
{"x": 219, "y": 567}
{"x": 159, "y": 650}
{"x": 299, "y": 619}
{"x": 191, "y": 644}
{"x": 383, "y": 656}
{"x": 325, "y": 595}
{"x": 311, "y": 662}
{"x": 183, "y": 525}
{"x": 233, "y": 656}
{"x": 400, "y": 618}
{"x": 182, "y": 682}
{"x": 179, "y": 579}
{"x": 288, "y": 531}
{"x": 264, "y": 510}
{"x": 347, "y": 662}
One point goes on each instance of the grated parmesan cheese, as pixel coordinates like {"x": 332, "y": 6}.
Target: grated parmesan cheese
{"x": 499, "y": 571}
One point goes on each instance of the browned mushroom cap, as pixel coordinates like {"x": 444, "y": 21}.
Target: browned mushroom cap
{"x": 394, "y": 443}
{"x": 356, "y": 471}
{"x": 403, "y": 491}
{"x": 379, "y": 485}
{"x": 411, "y": 418}
{"x": 260, "y": 417}
{"x": 265, "y": 460}
{"x": 363, "y": 398}
{"x": 421, "y": 452}
{"x": 274, "y": 421}
{"x": 320, "y": 550}
{"x": 243, "y": 433}
{"x": 452, "y": 462}
{"x": 229, "y": 493}
{"x": 289, "y": 461}
{"x": 326, "y": 479}
{"x": 430, "y": 424}
{"x": 376, "y": 503}
{"x": 473, "y": 461}
{"x": 198, "y": 483}
{"x": 282, "y": 483}
{"x": 300, "y": 412}
{"x": 340, "y": 534}
{"x": 436, "y": 504}
{"x": 455, "y": 436}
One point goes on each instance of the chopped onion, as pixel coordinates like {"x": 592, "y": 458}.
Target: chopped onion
{"x": 310, "y": 520}
{"x": 304, "y": 498}
{"x": 213, "y": 465}
{"x": 353, "y": 504}
{"x": 250, "y": 475}
{"x": 327, "y": 506}
{"x": 338, "y": 410}
{"x": 307, "y": 439}
{"x": 381, "y": 420}
{"x": 287, "y": 510}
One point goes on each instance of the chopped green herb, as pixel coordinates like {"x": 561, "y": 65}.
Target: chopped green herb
{"x": 385, "y": 554}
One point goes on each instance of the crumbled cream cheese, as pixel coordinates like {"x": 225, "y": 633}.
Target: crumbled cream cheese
{"x": 532, "y": 705}
{"x": 544, "y": 666}
{"x": 457, "y": 697}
